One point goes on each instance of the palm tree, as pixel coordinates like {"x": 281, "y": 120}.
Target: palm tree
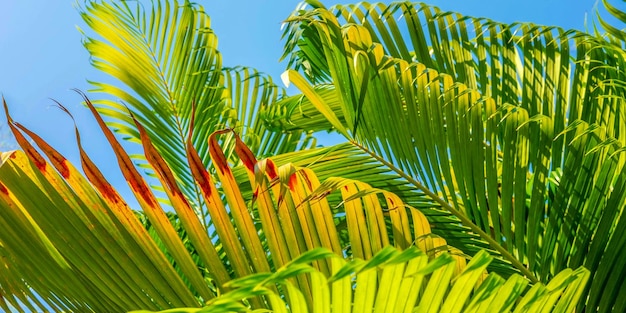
{"x": 506, "y": 139}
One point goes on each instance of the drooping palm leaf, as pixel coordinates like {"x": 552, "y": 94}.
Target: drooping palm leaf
{"x": 479, "y": 119}
{"x": 101, "y": 242}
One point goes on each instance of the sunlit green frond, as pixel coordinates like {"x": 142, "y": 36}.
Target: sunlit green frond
{"x": 481, "y": 125}
{"x": 349, "y": 162}
{"x": 168, "y": 72}
{"x": 394, "y": 281}
{"x": 298, "y": 113}
{"x": 522, "y": 64}
{"x": 611, "y": 23}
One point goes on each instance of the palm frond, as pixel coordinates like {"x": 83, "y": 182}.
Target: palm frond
{"x": 351, "y": 163}
{"x": 407, "y": 281}
{"x": 102, "y": 241}
{"x": 168, "y": 72}
{"x": 480, "y": 120}
{"x": 524, "y": 65}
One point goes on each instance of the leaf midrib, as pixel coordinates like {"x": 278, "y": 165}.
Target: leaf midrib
{"x": 463, "y": 219}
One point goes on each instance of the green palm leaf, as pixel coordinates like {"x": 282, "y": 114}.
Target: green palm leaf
{"x": 168, "y": 71}
{"x": 479, "y": 120}
{"x": 407, "y": 281}
{"x": 522, "y": 64}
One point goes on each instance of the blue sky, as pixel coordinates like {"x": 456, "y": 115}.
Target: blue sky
{"x": 41, "y": 55}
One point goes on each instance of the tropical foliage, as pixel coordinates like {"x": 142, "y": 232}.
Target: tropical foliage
{"x": 482, "y": 170}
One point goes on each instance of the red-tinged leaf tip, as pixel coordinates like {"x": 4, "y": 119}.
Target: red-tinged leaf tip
{"x": 64, "y": 109}
{"x": 222, "y": 131}
{"x": 4, "y": 189}
{"x": 133, "y": 177}
{"x": 96, "y": 178}
{"x": 244, "y": 153}
{"x": 293, "y": 180}
{"x": 219, "y": 159}
{"x": 143, "y": 135}
{"x": 198, "y": 171}
{"x": 272, "y": 170}
{"x": 31, "y": 152}
{"x": 93, "y": 174}
{"x": 155, "y": 159}
{"x": 58, "y": 160}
